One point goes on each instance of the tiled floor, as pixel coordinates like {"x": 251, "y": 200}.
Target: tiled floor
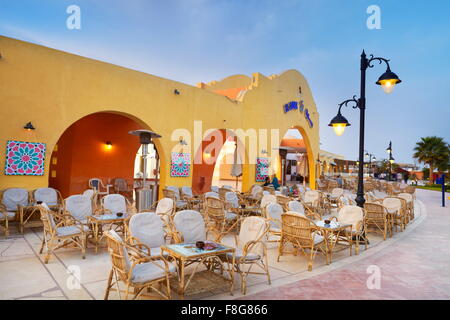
{"x": 413, "y": 264}
{"x": 413, "y": 267}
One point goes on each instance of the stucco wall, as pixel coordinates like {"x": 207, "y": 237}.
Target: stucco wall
{"x": 53, "y": 89}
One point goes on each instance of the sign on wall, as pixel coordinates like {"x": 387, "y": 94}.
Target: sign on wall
{"x": 24, "y": 158}
{"x": 298, "y": 105}
{"x": 262, "y": 169}
{"x": 181, "y": 164}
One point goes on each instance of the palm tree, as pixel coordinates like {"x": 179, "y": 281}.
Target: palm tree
{"x": 433, "y": 151}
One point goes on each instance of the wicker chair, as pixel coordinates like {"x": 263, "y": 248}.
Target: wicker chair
{"x": 353, "y": 215}
{"x": 251, "y": 250}
{"x": 188, "y": 195}
{"x": 97, "y": 185}
{"x": 135, "y": 269}
{"x": 79, "y": 207}
{"x": 114, "y": 203}
{"x": 121, "y": 186}
{"x": 332, "y": 184}
{"x": 301, "y": 233}
{"x": 50, "y": 196}
{"x": 377, "y": 220}
{"x": 283, "y": 200}
{"x": 171, "y": 192}
{"x": 409, "y": 198}
{"x": 311, "y": 199}
{"x": 273, "y": 214}
{"x": 60, "y": 230}
{"x": 146, "y": 231}
{"x": 411, "y": 190}
{"x": 254, "y": 196}
{"x": 220, "y": 221}
{"x": 395, "y": 209}
{"x": 189, "y": 227}
{"x": 13, "y": 200}
{"x": 165, "y": 209}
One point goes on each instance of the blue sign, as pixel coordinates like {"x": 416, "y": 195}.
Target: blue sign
{"x": 293, "y": 105}
{"x": 308, "y": 118}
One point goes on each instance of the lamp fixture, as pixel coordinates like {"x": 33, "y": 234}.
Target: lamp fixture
{"x": 29, "y": 126}
{"x": 176, "y": 92}
{"x": 108, "y": 145}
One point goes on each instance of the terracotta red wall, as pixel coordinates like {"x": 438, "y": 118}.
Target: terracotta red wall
{"x": 81, "y": 152}
{"x": 203, "y": 173}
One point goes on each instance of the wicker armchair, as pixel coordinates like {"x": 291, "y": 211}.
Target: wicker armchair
{"x": 5, "y": 217}
{"x": 273, "y": 215}
{"x": 189, "y": 227}
{"x": 165, "y": 209}
{"x": 114, "y": 203}
{"x": 251, "y": 250}
{"x": 146, "y": 232}
{"x": 283, "y": 200}
{"x": 377, "y": 220}
{"x": 135, "y": 269}
{"x": 396, "y": 211}
{"x": 311, "y": 199}
{"x": 220, "y": 220}
{"x": 60, "y": 230}
{"x": 173, "y": 193}
{"x": 353, "y": 215}
{"x": 301, "y": 233}
{"x": 50, "y": 196}
{"x": 13, "y": 201}
{"x": 411, "y": 190}
{"x": 409, "y": 198}
{"x": 188, "y": 195}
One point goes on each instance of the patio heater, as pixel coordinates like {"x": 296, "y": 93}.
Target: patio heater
{"x": 145, "y": 196}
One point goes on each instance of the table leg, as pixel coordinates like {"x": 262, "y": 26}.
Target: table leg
{"x": 181, "y": 279}
{"x": 95, "y": 227}
{"x": 21, "y": 220}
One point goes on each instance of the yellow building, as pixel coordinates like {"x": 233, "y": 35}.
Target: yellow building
{"x": 78, "y": 105}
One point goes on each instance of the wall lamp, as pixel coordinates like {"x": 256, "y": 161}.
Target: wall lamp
{"x": 29, "y": 127}
{"x": 176, "y": 92}
{"x": 108, "y": 145}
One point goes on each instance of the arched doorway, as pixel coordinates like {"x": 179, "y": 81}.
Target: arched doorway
{"x": 97, "y": 145}
{"x": 296, "y": 162}
{"x": 216, "y": 154}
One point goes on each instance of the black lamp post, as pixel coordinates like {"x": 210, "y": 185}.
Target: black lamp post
{"x": 391, "y": 159}
{"x": 387, "y": 81}
{"x": 371, "y": 156}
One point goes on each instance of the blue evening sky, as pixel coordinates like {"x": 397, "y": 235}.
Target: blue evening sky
{"x": 204, "y": 40}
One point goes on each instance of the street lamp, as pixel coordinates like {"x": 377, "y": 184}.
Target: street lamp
{"x": 371, "y": 157}
{"x": 391, "y": 159}
{"x": 387, "y": 81}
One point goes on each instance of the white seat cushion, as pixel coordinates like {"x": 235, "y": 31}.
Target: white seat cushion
{"x": 149, "y": 271}
{"x": 239, "y": 255}
{"x": 181, "y": 203}
{"x": 69, "y": 230}
{"x": 9, "y": 214}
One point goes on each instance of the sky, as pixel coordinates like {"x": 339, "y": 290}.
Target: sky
{"x": 204, "y": 40}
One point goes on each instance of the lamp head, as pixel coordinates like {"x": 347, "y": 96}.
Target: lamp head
{"x": 388, "y": 80}
{"x": 339, "y": 123}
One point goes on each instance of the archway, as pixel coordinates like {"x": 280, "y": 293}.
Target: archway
{"x": 97, "y": 145}
{"x": 296, "y": 161}
{"x": 216, "y": 154}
